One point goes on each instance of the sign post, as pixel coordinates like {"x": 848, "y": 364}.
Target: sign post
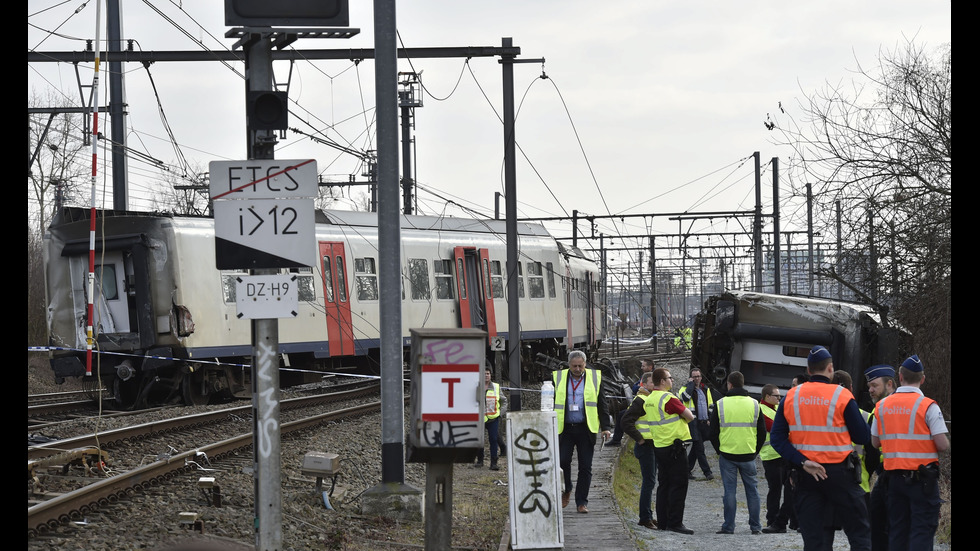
{"x": 446, "y": 423}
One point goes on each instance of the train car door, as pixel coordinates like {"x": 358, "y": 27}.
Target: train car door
{"x": 474, "y": 289}
{"x": 569, "y": 307}
{"x": 590, "y": 307}
{"x": 112, "y": 293}
{"x": 336, "y": 303}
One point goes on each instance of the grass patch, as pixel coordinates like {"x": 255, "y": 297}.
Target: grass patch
{"x": 626, "y": 486}
{"x": 944, "y": 533}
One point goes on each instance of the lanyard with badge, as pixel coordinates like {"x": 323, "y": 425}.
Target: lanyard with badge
{"x": 574, "y": 406}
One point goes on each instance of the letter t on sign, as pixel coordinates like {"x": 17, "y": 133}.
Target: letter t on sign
{"x": 450, "y": 382}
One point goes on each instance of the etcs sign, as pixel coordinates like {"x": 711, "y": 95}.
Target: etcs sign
{"x": 263, "y": 213}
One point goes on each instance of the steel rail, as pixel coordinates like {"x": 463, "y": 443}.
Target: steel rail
{"x": 74, "y": 505}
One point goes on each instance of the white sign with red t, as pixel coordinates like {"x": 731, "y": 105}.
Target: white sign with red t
{"x": 450, "y": 392}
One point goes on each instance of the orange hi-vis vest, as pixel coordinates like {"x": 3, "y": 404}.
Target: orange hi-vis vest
{"x": 815, "y": 414}
{"x": 906, "y": 442}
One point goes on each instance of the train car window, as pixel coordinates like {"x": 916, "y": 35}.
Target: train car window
{"x": 366, "y": 278}
{"x": 486, "y": 279}
{"x": 461, "y": 278}
{"x": 496, "y": 279}
{"x": 443, "y": 270}
{"x": 550, "y": 276}
{"x": 341, "y": 280}
{"x": 327, "y": 280}
{"x": 105, "y": 278}
{"x": 535, "y": 280}
{"x": 305, "y": 289}
{"x": 520, "y": 280}
{"x": 418, "y": 277}
{"x": 228, "y": 281}
{"x": 796, "y": 351}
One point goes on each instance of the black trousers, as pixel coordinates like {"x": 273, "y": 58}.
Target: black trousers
{"x": 699, "y": 434}
{"x": 879, "y": 514}
{"x": 672, "y": 485}
{"x": 840, "y": 492}
{"x": 778, "y": 514}
{"x": 577, "y": 439}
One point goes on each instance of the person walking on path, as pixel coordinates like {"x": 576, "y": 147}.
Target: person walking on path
{"x": 739, "y": 431}
{"x": 814, "y": 428}
{"x": 580, "y": 405}
{"x": 911, "y": 431}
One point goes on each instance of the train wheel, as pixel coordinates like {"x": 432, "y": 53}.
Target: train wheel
{"x": 194, "y": 390}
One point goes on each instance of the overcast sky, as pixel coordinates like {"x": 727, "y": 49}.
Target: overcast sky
{"x": 665, "y": 101}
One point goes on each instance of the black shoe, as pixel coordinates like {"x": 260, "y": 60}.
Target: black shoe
{"x": 773, "y": 530}
{"x": 479, "y": 465}
{"x": 690, "y": 475}
{"x": 651, "y": 524}
{"x": 726, "y": 532}
{"x": 612, "y": 443}
{"x": 756, "y": 533}
{"x": 494, "y": 467}
{"x": 681, "y": 529}
{"x": 709, "y": 476}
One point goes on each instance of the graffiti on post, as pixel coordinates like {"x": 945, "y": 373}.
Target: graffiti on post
{"x": 447, "y": 351}
{"x": 447, "y": 434}
{"x": 533, "y": 453}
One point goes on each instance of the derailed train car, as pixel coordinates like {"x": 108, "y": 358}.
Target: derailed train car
{"x": 166, "y": 320}
{"x": 767, "y": 337}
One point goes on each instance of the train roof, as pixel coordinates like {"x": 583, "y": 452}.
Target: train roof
{"x": 418, "y": 222}
{"x": 768, "y": 306}
{"x": 343, "y": 218}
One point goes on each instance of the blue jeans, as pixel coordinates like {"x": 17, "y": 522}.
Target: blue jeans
{"x": 729, "y": 472}
{"x": 648, "y": 472}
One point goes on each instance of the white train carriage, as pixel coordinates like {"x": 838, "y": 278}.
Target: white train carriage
{"x": 169, "y": 318}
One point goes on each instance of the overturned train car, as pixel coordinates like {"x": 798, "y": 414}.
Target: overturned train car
{"x": 166, "y": 323}
{"x": 767, "y": 337}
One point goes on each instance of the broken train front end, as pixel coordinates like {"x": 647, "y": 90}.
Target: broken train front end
{"x": 139, "y": 322}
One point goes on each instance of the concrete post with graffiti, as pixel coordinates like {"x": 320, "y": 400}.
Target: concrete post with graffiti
{"x": 535, "y": 478}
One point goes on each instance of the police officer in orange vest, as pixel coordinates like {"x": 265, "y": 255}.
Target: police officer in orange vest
{"x": 813, "y": 430}
{"x": 911, "y": 432}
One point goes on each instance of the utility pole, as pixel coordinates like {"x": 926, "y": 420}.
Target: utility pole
{"x": 775, "y": 225}
{"x": 266, "y": 451}
{"x": 507, "y": 62}
{"x": 409, "y": 97}
{"x": 117, "y": 108}
{"x": 757, "y": 226}
{"x": 809, "y": 232}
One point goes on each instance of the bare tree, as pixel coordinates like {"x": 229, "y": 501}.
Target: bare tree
{"x": 54, "y": 165}
{"x": 185, "y": 193}
{"x": 881, "y": 148}
{"x": 878, "y": 154}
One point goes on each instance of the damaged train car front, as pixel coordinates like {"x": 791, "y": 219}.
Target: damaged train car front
{"x": 767, "y": 337}
{"x": 136, "y": 321}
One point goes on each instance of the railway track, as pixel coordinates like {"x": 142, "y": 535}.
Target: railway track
{"x": 58, "y": 508}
